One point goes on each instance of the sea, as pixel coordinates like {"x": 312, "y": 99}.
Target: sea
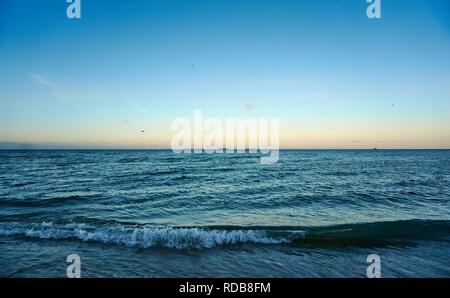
{"x": 154, "y": 213}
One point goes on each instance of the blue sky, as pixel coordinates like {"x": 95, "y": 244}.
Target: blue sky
{"x": 333, "y": 77}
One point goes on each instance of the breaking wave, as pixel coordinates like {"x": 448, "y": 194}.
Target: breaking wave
{"x": 359, "y": 235}
{"x": 180, "y": 238}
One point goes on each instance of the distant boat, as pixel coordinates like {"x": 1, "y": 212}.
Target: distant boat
{"x": 375, "y": 148}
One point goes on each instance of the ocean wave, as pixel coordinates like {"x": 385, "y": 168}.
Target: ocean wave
{"x": 357, "y": 235}
{"x": 180, "y": 238}
{"x": 375, "y": 234}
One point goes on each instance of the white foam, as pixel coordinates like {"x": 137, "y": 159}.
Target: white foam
{"x": 145, "y": 237}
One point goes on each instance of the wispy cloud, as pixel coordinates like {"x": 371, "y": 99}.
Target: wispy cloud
{"x": 51, "y": 86}
{"x": 125, "y": 121}
{"x": 250, "y": 107}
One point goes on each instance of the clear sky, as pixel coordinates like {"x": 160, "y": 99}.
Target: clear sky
{"x": 333, "y": 77}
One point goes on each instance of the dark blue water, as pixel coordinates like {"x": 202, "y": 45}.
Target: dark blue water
{"x": 315, "y": 213}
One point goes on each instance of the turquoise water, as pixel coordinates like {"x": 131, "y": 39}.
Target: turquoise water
{"x": 152, "y": 213}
